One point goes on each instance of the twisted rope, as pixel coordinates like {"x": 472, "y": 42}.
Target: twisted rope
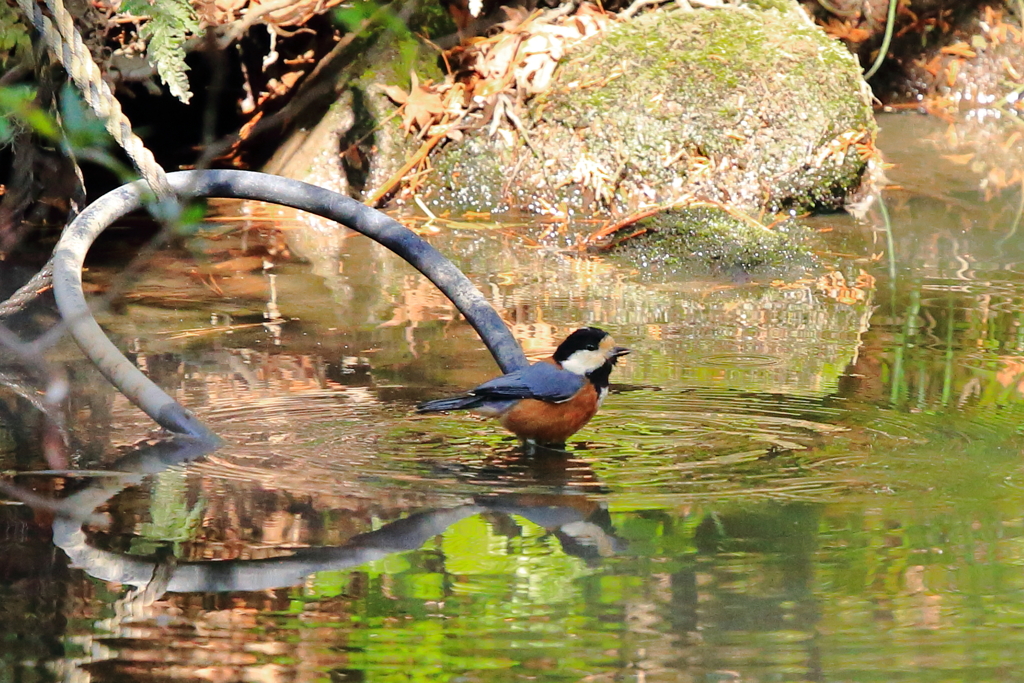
{"x": 39, "y": 283}
{"x": 66, "y": 44}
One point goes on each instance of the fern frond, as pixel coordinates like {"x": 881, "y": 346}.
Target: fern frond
{"x": 169, "y": 25}
{"x": 15, "y": 41}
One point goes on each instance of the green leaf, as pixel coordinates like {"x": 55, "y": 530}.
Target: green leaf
{"x": 81, "y": 127}
{"x": 191, "y": 218}
{"x": 17, "y": 103}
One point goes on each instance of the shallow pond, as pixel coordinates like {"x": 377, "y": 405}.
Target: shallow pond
{"x": 817, "y": 478}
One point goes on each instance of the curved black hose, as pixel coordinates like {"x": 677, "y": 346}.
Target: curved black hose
{"x": 79, "y": 236}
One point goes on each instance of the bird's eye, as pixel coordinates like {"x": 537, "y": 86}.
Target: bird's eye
{"x": 591, "y": 347}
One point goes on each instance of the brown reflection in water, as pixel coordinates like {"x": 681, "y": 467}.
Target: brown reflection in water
{"x": 218, "y": 638}
{"x": 35, "y": 593}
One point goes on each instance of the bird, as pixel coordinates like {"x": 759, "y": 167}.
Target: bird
{"x": 549, "y": 401}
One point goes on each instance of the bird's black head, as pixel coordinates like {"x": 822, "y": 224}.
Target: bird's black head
{"x": 583, "y": 339}
{"x": 587, "y": 349}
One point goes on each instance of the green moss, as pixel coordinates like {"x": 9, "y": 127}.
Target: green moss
{"x": 760, "y": 86}
{"x": 704, "y": 239}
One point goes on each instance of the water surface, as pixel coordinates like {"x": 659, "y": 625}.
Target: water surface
{"x": 810, "y": 479}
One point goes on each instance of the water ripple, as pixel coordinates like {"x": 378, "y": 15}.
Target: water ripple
{"x": 738, "y": 360}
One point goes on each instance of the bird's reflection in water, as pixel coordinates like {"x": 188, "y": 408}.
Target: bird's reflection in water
{"x": 553, "y": 495}
{"x": 552, "y": 488}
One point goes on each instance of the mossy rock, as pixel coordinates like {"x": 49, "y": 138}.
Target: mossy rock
{"x": 752, "y": 107}
{"x": 702, "y": 240}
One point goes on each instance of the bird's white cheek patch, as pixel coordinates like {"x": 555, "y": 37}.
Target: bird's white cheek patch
{"x": 583, "y": 362}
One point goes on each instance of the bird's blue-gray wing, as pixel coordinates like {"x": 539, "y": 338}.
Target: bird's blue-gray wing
{"x": 541, "y": 381}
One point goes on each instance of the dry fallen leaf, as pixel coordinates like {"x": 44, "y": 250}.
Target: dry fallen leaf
{"x": 845, "y": 31}
{"x": 422, "y": 106}
{"x": 397, "y": 95}
{"x": 958, "y": 159}
{"x": 239, "y": 264}
{"x": 960, "y": 49}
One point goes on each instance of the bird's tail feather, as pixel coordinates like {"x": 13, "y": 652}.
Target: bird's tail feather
{"x": 454, "y": 403}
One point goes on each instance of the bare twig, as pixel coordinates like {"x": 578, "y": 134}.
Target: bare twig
{"x": 389, "y": 185}
{"x": 253, "y": 13}
{"x": 510, "y": 113}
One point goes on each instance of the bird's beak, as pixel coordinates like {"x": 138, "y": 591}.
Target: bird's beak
{"x": 620, "y": 351}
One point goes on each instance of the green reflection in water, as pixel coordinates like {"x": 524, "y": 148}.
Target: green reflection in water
{"x": 172, "y": 520}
